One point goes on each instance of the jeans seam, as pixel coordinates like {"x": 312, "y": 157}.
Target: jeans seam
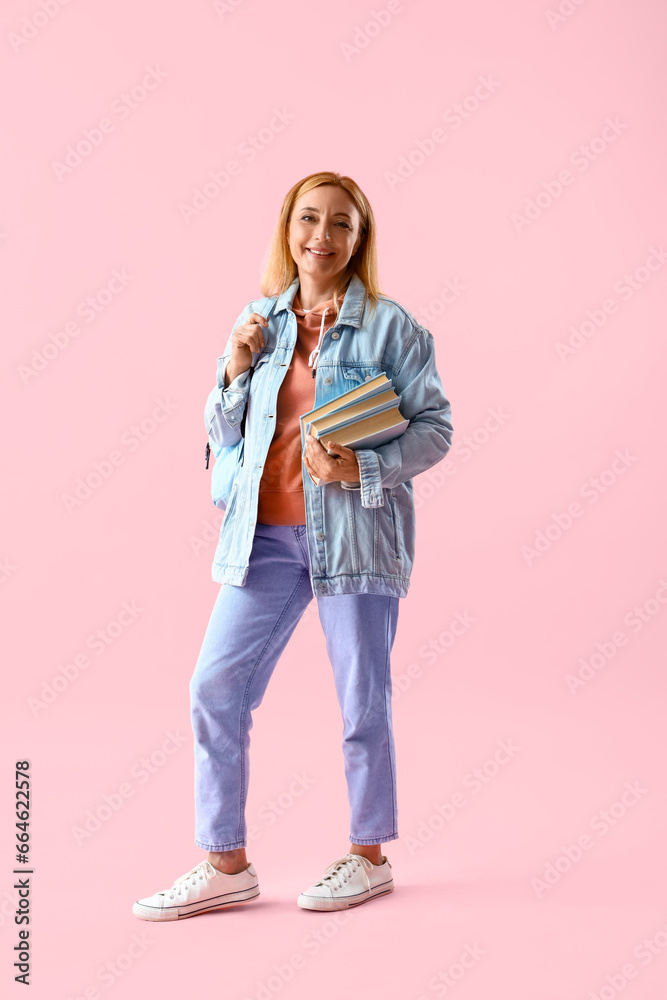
{"x": 244, "y": 703}
{"x": 386, "y": 712}
{"x": 380, "y": 839}
{"x": 304, "y": 549}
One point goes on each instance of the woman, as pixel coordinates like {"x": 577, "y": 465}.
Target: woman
{"x": 348, "y": 541}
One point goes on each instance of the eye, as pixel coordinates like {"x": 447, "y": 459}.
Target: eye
{"x": 304, "y": 218}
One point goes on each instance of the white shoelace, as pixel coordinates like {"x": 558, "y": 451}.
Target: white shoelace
{"x": 197, "y": 874}
{"x": 339, "y": 871}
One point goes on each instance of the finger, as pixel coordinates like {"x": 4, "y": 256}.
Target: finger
{"x": 258, "y": 338}
{"x": 255, "y": 323}
{"x": 250, "y": 336}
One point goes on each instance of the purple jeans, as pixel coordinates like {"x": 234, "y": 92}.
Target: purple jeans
{"x": 247, "y": 632}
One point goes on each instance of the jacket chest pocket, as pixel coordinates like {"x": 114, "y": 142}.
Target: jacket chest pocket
{"x": 354, "y": 375}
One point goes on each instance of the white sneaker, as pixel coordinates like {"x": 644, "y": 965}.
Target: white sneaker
{"x": 347, "y": 882}
{"x": 201, "y": 889}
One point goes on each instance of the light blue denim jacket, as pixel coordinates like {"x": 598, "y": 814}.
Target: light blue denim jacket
{"x": 361, "y": 539}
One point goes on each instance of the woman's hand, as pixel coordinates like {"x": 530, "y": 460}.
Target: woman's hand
{"x": 342, "y": 466}
{"x": 247, "y": 338}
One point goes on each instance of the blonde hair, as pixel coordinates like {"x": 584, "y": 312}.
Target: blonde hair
{"x": 281, "y": 269}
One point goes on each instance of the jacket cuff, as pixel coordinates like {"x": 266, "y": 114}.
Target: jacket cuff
{"x": 233, "y": 398}
{"x": 369, "y": 475}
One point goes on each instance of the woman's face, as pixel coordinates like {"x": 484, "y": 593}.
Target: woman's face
{"x": 325, "y": 211}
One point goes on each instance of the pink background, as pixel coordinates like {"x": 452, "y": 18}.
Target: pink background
{"x": 587, "y": 259}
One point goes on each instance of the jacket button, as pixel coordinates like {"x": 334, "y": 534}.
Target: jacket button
{"x": 335, "y": 335}
{"x": 323, "y": 586}
{"x": 320, "y": 535}
{"x": 328, "y": 380}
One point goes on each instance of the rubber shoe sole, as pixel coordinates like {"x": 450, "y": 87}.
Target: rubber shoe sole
{"x": 157, "y": 913}
{"x": 343, "y": 903}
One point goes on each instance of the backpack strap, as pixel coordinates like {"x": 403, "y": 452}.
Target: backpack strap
{"x": 269, "y": 301}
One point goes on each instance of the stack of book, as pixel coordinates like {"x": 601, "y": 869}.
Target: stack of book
{"x": 364, "y": 417}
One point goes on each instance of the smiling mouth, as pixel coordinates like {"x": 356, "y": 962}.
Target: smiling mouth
{"x": 320, "y": 253}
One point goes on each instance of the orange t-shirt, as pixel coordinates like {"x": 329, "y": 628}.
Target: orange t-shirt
{"x": 281, "y": 486}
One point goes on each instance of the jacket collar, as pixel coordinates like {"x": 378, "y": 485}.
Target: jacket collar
{"x": 351, "y": 310}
